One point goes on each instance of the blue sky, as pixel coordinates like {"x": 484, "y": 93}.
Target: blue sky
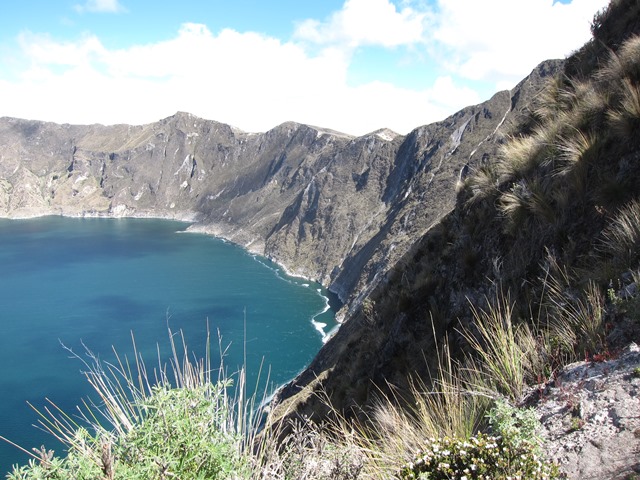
{"x": 350, "y": 65}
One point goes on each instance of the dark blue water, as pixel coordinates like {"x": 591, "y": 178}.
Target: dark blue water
{"x": 94, "y": 281}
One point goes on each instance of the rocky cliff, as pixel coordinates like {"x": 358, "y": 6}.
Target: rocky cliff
{"x": 327, "y": 206}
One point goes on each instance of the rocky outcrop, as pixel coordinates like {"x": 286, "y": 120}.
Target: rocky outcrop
{"x": 328, "y": 206}
{"x": 590, "y": 416}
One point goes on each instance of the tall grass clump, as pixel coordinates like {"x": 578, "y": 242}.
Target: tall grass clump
{"x": 453, "y": 425}
{"x": 447, "y": 406}
{"x": 547, "y": 105}
{"x": 526, "y": 204}
{"x": 505, "y": 355}
{"x": 522, "y": 154}
{"x": 625, "y": 118}
{"x": 377, "y": 443}
{"x": 623, "y": 64}
{"x": 575, "y": 141}
{"x": 462, "y": 426}
{"x": 179, "y": 421}
{"x": 621, "y": 238}
{"x": 578, "y": 151}
{"x": 483, "y": 184}
{"x": 574, "y": 317}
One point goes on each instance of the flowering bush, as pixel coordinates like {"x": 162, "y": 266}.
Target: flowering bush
{"x": 515, "y": 425}
{"x": 480, "y": 457}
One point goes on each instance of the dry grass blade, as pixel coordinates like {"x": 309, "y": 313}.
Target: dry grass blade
{"x": 621, "y": 238}
{"x": 452, "y": 405}
{"x": 547, "y": 102}
{"x": 520, "y": 156}
{"x": 575, "y": 150}
{"x": 623, "y": 64}
{"x": 501, "y": 349}
{"x": 625, "y": 118}
{"x": 483, "y": 184}
{"x": 527, "y": 203}
{"x": 578, "y": 150}
{"x": 576, "y": 319}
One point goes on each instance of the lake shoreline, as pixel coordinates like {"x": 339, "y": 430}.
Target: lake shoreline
{"x": 47, "y": 255}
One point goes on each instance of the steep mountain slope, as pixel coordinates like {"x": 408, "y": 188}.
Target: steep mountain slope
{"x": 550, "y": 224}
{"x": 327, "y": 206}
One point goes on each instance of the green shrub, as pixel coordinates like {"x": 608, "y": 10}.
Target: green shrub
{"x": 479, "y": 457}
{"x": 186, "y": 427}
{"x": 519, "y": 426}
{"x": 181, "y": 435}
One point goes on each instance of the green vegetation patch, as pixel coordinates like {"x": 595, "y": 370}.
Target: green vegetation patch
{"x": 182, "y": 434}
{"x": 482, "y": 456}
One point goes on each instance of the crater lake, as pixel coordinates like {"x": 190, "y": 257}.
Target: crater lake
{"x": 71, "y": 283}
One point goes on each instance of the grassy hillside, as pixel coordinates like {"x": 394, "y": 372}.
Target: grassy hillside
{"x": 548, "y": 224}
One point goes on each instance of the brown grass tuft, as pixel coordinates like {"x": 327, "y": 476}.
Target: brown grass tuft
{"x": 625, "y": 118}
{"x": 621, "y": 239}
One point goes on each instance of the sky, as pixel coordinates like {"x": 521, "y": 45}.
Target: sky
{"x": 350, "y": 65}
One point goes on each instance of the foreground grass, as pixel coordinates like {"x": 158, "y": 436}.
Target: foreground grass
{"x": 180, "y": 423}
{"x": 188, "y": 425}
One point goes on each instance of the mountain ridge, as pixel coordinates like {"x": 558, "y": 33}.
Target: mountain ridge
{"x": 542, "y": 233}
{"x": 326, "y": 205}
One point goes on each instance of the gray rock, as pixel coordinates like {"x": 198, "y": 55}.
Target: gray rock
{"x": 603, "y": 439}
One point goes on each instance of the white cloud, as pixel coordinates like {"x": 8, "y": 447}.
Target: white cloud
{"x": 255, "y": 81}
{"x": 100, "y": 6}
{"x": 245, "y": 79}
{"x": 42, "y": 50}
{"x": 365, "y": 22}
{"x": 500, "y": 41}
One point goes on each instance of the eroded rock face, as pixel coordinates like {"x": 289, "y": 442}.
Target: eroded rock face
{"x": 328, "y": 206}
{"x": 591, "y": 418}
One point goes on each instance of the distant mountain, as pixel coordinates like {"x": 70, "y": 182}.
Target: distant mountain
{"x": 327, "y": 206}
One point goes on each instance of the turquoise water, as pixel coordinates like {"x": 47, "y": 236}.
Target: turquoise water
{"x": 94, "y": 281}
